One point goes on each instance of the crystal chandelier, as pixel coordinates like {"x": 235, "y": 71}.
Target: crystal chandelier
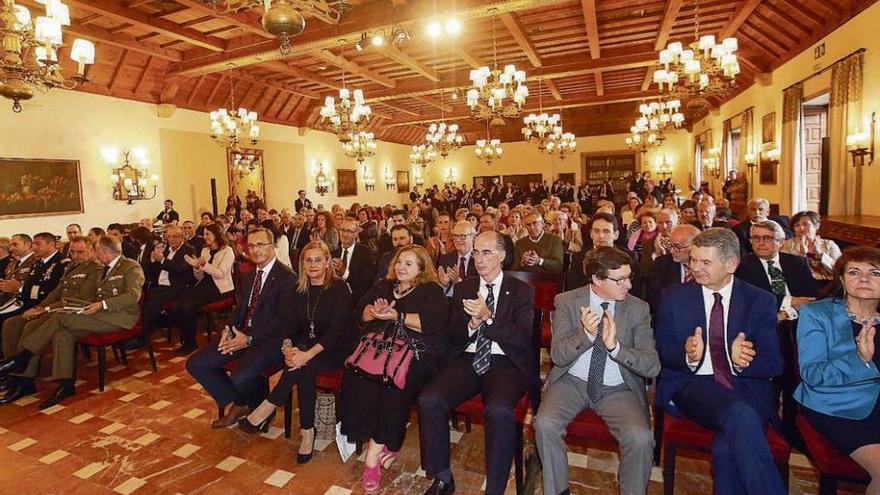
{"x": 561, "y": 143}
{"x": 422, "y": 154}
{"x": 488, "y": 149}
{"x": 347, "y": 116}
{"x": 491, "y": 87}
{"x": 663, "y": 113}
{"x": 643, "y": 140}
{"x": 444, "y": 138}
{"x": 704, "y": 69}
{"x": 229, "y": 127}
{"x": 360, "y": 146}
{"x": 540, "y": 127}
{"x": 29, "y": 51}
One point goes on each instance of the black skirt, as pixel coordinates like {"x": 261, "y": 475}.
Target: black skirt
{"x": 845, "y": 434}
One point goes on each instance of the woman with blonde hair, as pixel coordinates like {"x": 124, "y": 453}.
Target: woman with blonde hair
{"x": 374, "y": 413}
{"x": 322, "y": 340}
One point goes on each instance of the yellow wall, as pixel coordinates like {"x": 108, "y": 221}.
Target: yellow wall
{"x": 848, "y": 38}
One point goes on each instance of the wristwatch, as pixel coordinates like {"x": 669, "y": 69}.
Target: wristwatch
{"x": 250, "y": 338}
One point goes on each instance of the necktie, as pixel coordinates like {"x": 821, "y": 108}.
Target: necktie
{"x": 106, "y": 269}
{"x": 255, "y": 298}
{"x": 596, "y": 373}
{"x": 777, "y": 279}
{"x": 484, "y": 345}
{"x": 688, "y": 274}
{"x": 296, "y": 237}
{"x": 462, "y": 271}
{"x": 344, "y": 262}
{"x": 718, "y": 345}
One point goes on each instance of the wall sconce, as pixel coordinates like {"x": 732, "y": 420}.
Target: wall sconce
{"x": 862, "y": 144}
{"x": 712, "y": 162}
{"x": 131, "y": 183}
{"x": 751, "y": 161}
{"x": 771, "y": 156}
{"x": 390, "y": 180}
{"x": 369, "y": 180}
{"x": 323, "y": 184}
{"x": 663, "y": 166}
{"x": 451, "y": 177}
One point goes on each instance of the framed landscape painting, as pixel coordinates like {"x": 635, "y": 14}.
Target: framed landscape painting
{"x": 34, "y": 187}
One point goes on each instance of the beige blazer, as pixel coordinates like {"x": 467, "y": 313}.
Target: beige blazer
{"x": 220, "y": 269}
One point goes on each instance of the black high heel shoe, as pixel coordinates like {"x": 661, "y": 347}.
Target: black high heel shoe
{"x": 246, "y": 426}
{"x": 304, "y": 458}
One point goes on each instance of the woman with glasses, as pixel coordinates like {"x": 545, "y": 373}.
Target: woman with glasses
{"x": 375, "y": 413}
{"x": 213, "y": 270}
{"x": 323, "y": 338}
{"x": 838, "y": 357}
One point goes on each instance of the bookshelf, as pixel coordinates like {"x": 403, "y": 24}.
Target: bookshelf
{"x": 616, "y": 167}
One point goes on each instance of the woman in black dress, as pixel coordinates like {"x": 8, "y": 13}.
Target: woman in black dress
{"x": 323, "y": 337}
{"x": 371, "y": 412}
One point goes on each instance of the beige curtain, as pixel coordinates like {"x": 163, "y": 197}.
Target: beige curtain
{"x": 725, "y": 145}
{"x": 790, "y": 159}
{"x": 844, "y": 118}
{"x": 746, "y": 139}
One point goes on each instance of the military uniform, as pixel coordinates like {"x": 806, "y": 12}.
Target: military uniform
{"x": 43, "y": 278}
{"x": 119, "y": 290}
{"x": 19, "y": 270}
{"x": 79, "y": 283}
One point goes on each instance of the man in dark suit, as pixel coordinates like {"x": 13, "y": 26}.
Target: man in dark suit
{"x": 301, "y": 202}
{"x": 759, "y": 211}
{"x": 458, "y": 265}
{"x": 603, "y": 352}
{"x": 706, "y": 217}
{"x": 168, "y": 215}
{"x": 298, "y": 234}
{"x": 671, "y": 268}
{"x": 192, "y": 237}
{"x": 353, "y": 261}
{"x": 264, "y": 313}
{"x": 400, "y": 236}
{"x": 717, "y": 342}
{"x": 172, "y": 276}
{"x": 398, "y": 217}
{"x": 490, "y": 327}
{"x": 604, "y": 231}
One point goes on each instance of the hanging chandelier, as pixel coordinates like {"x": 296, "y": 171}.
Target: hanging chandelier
{"x": 664, "y": 113}
{"x": 229, "y": 128}
{"x": 540, "y": 127}
{"x": 561, "y": 143}
{"x": 422, "y": 154}
{"x": 643, "y": 141}
{"x": 493, "y": 87}
{"x": 29, "y": 50}
{"x": 243, "y": 162}
{"x": 705, "y": 68}
{"x": 489, "y": 149}
{"x": 348, "y": 115}
{"x": 444, "y": 138}
{"x": 360, "y": 146}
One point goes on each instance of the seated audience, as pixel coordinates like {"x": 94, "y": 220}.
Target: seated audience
{"x": 653, "y": 248}
{"x": 353, "y": 261}
{"x": 441, "y": 243}
{"x": 539, "y": 251}
{"x": 672, "y": 268}
{"x": 490, "y": 327}
{"x": 602, "y": 352}
{"x": 282, "y": 244}
{"x": 6, "y": 257}
{"x": 821, "y": 253}
{"x": 400, "y": 236}
{"x": 375, "y": 413}
{"x": 22, "y": 248}
{"x": 759, "y": 211}
{"x": 323, "y": 336}
{"x": 41, "y": 279}
{"x": 717, "y": 342}
{"x": 458, "y": 265}
{"x": 838, "y": 356}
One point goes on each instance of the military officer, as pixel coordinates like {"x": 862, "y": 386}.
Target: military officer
{"x": 43, "y": 277}
{"x": 116, "y": 306}
{"x": 79, "y": 284}
{"x": 21, "y": 247}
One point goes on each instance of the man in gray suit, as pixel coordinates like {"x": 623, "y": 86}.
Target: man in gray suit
{"x": 602, "y": 352}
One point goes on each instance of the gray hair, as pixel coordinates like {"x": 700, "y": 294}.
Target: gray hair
{"x": 685, "y": 227}
{"x": 770, "y": 225}
{"x": 469, "y": 227}
{"x": 760, "y": 201}
{"x": 672, "y": 213}
{"x": 110, "y": 244}
{"x": 720, "y": 238}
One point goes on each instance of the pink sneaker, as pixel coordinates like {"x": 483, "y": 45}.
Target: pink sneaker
{"x": 372, "y": 478}
{"x": 386, "y": 457}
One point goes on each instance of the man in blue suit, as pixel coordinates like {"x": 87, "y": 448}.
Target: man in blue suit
{"x": 717, "y": 341}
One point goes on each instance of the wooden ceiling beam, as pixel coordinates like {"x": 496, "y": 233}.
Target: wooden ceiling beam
{"x": 600, "y": 84}
{"x": 649, "y": 78}
{"x": 195, "y": 90}
{"x": 469, "y": 58}
{"x": 117, "y": 11}
{"x": 513, "y": 26}
{"x": 739, "y": 18}
{"x": 240, "y": 20}
{"x": 283, "y": 68}
{"x": 434, "y": 103}
{"x": 402, "y": 58}
{"x": 282, "y": 107}
{"x": 669, "y": 16}
{"x": 124, "y": 41}
{"x": 352, "y": 67}
{"x": 297, "y": 91}
{"x": 117, "y": 70}
{"x": 143, "y": 76}
{"x": 591, "y": 20}
{"x": 551, "y": 86}
{"x": 398, "y": 108}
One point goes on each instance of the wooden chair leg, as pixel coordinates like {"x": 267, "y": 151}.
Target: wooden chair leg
{"x": 152, "y": 356}
{"x": 669, "y": 453}
{"x": 827, "y": 485}
{"x": 288, "y": 415}
{"x": 102, "y": 356}
{"x": 115, "y": 354}
{"x": 518, "y": 456}
{"x": 123, "y": 354}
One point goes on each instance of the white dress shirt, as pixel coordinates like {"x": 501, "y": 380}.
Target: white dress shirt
{"x": 265, "y": 273}
{"x": 164, "y": 279}
{"x": 350, "y": 251}
{"x": 786, "y": 307}
{"x": 581, "y": 367}
{"x": 483, "y": 292}
{"x": 708, "y": 302}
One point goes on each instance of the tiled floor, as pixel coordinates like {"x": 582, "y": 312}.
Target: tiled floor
{"x": 149, "y": 433}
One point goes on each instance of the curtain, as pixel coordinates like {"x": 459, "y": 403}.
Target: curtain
{"x": 791, "y": 152}
{"x": 746, "y": 139}
{"x": 725, "y": 146}
{"x": 844, "y": 118}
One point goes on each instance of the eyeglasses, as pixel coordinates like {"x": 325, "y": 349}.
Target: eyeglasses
{"x": 620, "y": 281}
{"x": 679, "y": 247}
{"x": 762, "y": 238}
{"x": 461, "y": 237}
{"x": 348, "y": 231}
{"x": 483, "y": 253}
{"x": 259, "y": 245}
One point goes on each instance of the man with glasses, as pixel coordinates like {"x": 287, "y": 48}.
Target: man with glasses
{"x": 759, "y": 211}
{"x": 192, "y": 238}
{"x": 263, "y": 316}
{"x": 539, "y": 251}
{"x": 353, "y": 261}
{"x": 603, "y": 353}
{"x": 671, "y": 268}
{"x": 490, "y": 328}
{"x": 458, "y": 265}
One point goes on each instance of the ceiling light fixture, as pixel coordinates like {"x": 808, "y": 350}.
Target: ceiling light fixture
{"x": 491, "y": 87}
{"x": 230, "y": 127}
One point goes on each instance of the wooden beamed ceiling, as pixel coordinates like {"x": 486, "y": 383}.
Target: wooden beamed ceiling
{"x": 591, "y": 60}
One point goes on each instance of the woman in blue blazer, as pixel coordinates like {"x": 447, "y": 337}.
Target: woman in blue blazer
{"x": 838, "y": 342}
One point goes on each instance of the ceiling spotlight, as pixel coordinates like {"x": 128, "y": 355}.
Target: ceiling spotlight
{"x": 434, "y": 29}
{"x": 378, "y": 39}
{"x": 453, "y": 26}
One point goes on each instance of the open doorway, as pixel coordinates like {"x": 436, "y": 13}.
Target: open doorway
{"x": 816, "y": 158}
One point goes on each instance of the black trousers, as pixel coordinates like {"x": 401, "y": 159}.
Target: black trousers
{"x": 184, "y": 314}
{"x": 157, "y": 297}
{"x": 305, "y": 379}
{"x": 245, "y": 386}
{"x": 502, "y": 387}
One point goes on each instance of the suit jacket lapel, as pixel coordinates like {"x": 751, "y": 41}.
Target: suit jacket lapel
{"x": 502, "y": 299}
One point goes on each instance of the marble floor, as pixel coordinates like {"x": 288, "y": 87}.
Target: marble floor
{"x": 149, "y": 433}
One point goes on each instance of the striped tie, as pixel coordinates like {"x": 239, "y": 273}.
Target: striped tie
{"x": 596, "y": 374}
{"x": 483, "y": 353}
{"x": 777, "y": 279}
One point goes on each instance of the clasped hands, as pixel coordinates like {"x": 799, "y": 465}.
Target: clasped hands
{"x": 477, "y": 310}
{"x": 383, "y": 310}
{"x": 231, "y": 340}
{"x": 742, "y": 351}
{"x": 294, "y": 358}
{"x": 197, "y": 263}
{"x": 448, "y": 276}
{"x": 530, "y": 258}
{"x": 590, "y": 319}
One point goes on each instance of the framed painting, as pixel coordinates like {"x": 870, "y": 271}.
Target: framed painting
{"x": 346, "y": 183}
{"x": 403, "y": 181}
{"x": 768, "y": 128}
{"x": 767, "y": 170}
{"x": 35, "y": 187}
{"x": 246, "y": 171}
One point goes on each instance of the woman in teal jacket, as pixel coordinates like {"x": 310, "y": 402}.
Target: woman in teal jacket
{"x": 837, "y": 347}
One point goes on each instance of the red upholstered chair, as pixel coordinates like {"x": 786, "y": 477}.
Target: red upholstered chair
{"x": 547, "y": 286}
{"x": 472, "y": 409}
{"x": 588, "y": 429}
{"x": 116, "y": 340}
{"x": 210, "y": 311}
{"x": 830, "y": 462}
{"x": 685, "y": 436}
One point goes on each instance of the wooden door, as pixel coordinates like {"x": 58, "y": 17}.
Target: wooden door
{"x": 815, "y": 125}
